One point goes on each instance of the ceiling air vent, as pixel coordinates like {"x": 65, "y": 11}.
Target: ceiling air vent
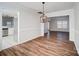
{"x": 40, "y": 12}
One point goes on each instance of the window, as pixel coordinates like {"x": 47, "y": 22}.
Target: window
{"x": 62, "y": 24}
{"x": 59, "y": 24}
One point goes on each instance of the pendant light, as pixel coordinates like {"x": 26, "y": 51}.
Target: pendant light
{"x": 43, "y": 17}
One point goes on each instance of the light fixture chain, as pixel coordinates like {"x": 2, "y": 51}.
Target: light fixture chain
{"x": 43, "y": 9}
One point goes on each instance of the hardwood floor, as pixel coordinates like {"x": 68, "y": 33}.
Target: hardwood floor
{"x": 59, "y": 35}
{"x": 43, "y": 46}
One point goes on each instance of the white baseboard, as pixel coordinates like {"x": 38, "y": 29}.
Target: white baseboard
{"x": 76, "y": 47}
{"x": 9, "y": 46}
{"x": 78, "y": 52}
{"x": 21, "y": 42}
{"x": 29, "y": 39}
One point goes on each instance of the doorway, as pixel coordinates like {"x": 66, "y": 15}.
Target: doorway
{"x": 57, "y": 28}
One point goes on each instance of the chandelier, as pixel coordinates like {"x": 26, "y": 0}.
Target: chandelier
{"x": 43, "y": 17}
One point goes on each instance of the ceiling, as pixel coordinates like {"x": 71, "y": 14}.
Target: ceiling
{"x": 49, "y": 6}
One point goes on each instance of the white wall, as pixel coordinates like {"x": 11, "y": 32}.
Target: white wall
{"x": 29, "y": 21}
{"x": 71, "y": 20}
{"x": 29, "y": 25}
{"x": 46, "y": 27}
{"x": 42, "y": 29}
{"x": 0, "y": 33}
{"x": 76, "y": 11}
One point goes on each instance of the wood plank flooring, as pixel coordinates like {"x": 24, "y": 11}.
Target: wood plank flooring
{"x": 43, "y": 46}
